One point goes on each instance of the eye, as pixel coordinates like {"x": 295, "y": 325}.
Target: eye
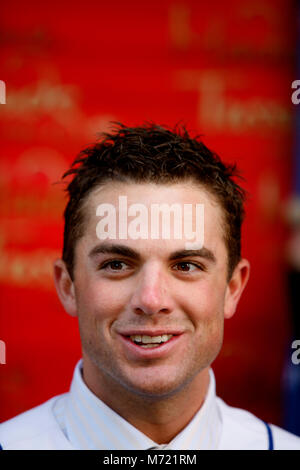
{"x": 185, "y": 266}
{"x": 115, "y": 265}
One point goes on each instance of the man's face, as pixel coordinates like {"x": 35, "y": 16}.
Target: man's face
{"x": 127, "y": 290}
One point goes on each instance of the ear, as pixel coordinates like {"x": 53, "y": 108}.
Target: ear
{"x": 235, "y": 287}
{"x": 65, "y": 287}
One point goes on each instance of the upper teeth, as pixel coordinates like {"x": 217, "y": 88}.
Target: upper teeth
{"x": 150, "y": 339}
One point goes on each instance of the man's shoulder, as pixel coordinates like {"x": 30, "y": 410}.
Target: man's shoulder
{"x": 243, "y": 430}
{"x": 36, "y": 428}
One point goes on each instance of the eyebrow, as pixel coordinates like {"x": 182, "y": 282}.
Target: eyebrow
{"x": 111, "y": 248}
{"x": 123, "y": 250}
{"x": 203, "y": 253}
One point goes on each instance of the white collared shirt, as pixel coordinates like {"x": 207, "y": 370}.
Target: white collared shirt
{"x": 88, "y": 423}
{"x": 79, "y": 420}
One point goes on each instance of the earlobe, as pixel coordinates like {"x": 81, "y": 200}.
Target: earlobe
{"x": 235, "y": 287}
{"x": 65, "y": 287}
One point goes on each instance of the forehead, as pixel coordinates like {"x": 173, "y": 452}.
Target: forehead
{"x": 183, "y": 192}
{"x": 150, "y": 195}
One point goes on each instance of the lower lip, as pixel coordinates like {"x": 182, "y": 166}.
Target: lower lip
{"x": 150, "y": 353}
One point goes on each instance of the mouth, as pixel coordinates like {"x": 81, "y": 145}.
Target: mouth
{"x": 147, "y": 341}
{"x": 149, "y": 344}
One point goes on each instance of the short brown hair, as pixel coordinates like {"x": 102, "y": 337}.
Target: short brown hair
{"x": 152, "y": 153}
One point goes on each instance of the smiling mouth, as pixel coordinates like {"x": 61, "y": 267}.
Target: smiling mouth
{"x": 146, "y": 341}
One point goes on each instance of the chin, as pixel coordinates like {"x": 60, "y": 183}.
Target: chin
{"x": 155, "y": 393}
{"x": 157, "y": 389}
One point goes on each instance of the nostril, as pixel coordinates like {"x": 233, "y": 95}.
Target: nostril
{"x": 150, "y": 311}
{"x": 164, "y": 310}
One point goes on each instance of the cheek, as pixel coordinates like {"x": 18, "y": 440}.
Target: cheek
{"x": 98, "y": 301}
{"x": 204, "y": 301}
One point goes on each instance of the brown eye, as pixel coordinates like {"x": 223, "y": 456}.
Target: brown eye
{"x": 187, "y": 267}
{"x": 184, "y": 266}
{"x": 115, "y": 265}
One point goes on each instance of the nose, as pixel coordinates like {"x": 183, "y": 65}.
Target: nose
{"x": 152, "y": 293}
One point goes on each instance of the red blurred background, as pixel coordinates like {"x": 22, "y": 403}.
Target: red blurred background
{"x": 224, "y": 69}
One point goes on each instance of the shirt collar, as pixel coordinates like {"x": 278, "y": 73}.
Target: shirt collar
{"x": 91, "y": 424}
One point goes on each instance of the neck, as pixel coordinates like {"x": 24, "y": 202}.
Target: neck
{"x": 159, "y": 418}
